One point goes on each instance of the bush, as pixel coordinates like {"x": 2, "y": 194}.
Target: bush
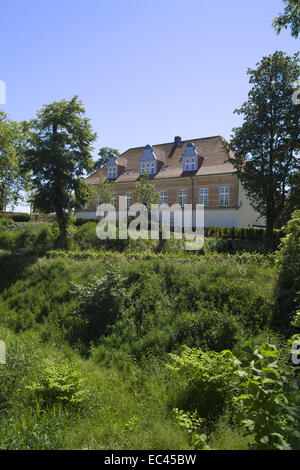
{"x": 99, "y": 305}
{"x": 288, "y": 262}
{"x": 46, "y": 239}
{"x": 203, "y": 382}
{"x": 16, "y": 217}
{"x": 58, "y": 383}
{"x": 266, "y": 398}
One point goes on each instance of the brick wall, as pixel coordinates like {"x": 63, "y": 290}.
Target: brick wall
{"x": 213, "y": 183}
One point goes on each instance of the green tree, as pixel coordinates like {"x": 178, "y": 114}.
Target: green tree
{"x": 266, "y": 146}
{"x": 58, "y": 154}
{"x": 104, "y": 154}
{"x": 12, "y": 180}
{"x": 290, "y": 17}
{"x": 103, "y": 191}
{"x": 145, "y": 192}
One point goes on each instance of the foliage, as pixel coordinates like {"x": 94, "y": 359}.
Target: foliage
{"x": 192, "y": 424}
{"x": 205, "y": 382}
{"x": 34, "y": 429}
{"x": 290, "y": 17}
{"x": 58, "y": 382}
{"x": 57, "y": 154}
{"x": 104, "y": 154}
{"x": 12, "y": 180}
{"x": 99, "y": 305}
{"x": 265, "y": 148}
{"x": 266, "y": 397}
{"x": 145, "y": 192}
{"x": 288, "y": 264}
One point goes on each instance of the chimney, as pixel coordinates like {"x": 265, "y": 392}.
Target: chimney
{"x": 177, "y": 143}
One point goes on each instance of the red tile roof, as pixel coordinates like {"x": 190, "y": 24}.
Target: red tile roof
{"x": 210, "y": 148}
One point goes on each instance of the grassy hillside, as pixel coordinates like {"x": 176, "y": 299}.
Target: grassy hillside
{"x": 116, "y": 324}
{"x": 144, "y": 346}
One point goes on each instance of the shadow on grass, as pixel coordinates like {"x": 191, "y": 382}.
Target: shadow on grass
{"x": 12, "y": 266}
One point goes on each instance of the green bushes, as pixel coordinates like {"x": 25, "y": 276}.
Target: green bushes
{"x": 266, "y": 398}
{"x": 288, "y": 265}
{"x": 241, "y": 233}
{"x": 100, "y": 303}
{"x": 16, "y": 217}
{"x": 259, "y": 392}
{"x": 58, "y": 382}
{"x": 205, "y": 382}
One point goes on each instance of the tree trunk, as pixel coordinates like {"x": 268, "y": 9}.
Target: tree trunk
{"x": 270, "y": 227}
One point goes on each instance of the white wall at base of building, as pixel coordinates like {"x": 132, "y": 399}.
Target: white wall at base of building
{"x": 247, "y": 216}
{"x": 220, "y": 217}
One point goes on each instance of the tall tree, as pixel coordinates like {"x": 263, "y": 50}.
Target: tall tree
{"x": 58, "y": 154}
{"x": 12, "y": 180}
{"x": 266, "y": 146}
{"x": 290, "y": 17}
{"x": 104, "y": 154}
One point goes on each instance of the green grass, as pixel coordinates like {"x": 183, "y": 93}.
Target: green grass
{"x": 173, "y": 301}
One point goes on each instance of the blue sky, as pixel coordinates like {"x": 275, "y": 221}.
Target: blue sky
{"x": 145, "y": 70}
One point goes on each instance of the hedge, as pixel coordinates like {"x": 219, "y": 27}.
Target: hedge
{"x": 241, "y": 233}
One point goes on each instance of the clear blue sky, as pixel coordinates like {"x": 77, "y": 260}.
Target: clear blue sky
{"x": 145, "y": 70}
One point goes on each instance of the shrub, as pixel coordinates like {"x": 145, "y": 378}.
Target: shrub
{"x": 99, "y": 305}
{"x": 288, "y": 263}
{"x": 46, "y": 239}
{"x": 204, "y": 382}
{"x": 266, "y": 397}
{"x": 58, "y": 383}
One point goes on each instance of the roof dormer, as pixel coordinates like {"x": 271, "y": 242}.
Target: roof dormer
{"x": 115, "y": 166}
{"x": 190, "y": 158}
{"x": 148, "y": 161}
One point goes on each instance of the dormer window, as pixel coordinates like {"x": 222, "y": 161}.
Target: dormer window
{"x": 190, "y": 158}
{"x": 112, "y": 168}
{"x": 148, "y": 168}
{"x": 148, "y": 162}
{"x": 112, "y": 172}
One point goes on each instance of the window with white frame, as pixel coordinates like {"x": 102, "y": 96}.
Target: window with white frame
{"x": 148, "y": 168}
{"x": 203, "y": 196}
{"x": 129, "y": 199}
{"x": 224, "y": 196}
{"x": 163, "y": 197}
{"x": 112, "y": 172}
{"x": 190, "y": 164}
{"x": 182, "y": 197}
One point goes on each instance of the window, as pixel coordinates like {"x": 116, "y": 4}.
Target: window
{"x": 182, "y": 197}
{"x": 224, "y": 197}
{"x": 203, "y": 199}
{"x": 148, "y": 161}
{"x": 148, "y": 168}
{"x": 129, "y": 199}
{"x": 112, "y": 172}
{"x": 163, "y": 197}
{"x": 190, "y": 158}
